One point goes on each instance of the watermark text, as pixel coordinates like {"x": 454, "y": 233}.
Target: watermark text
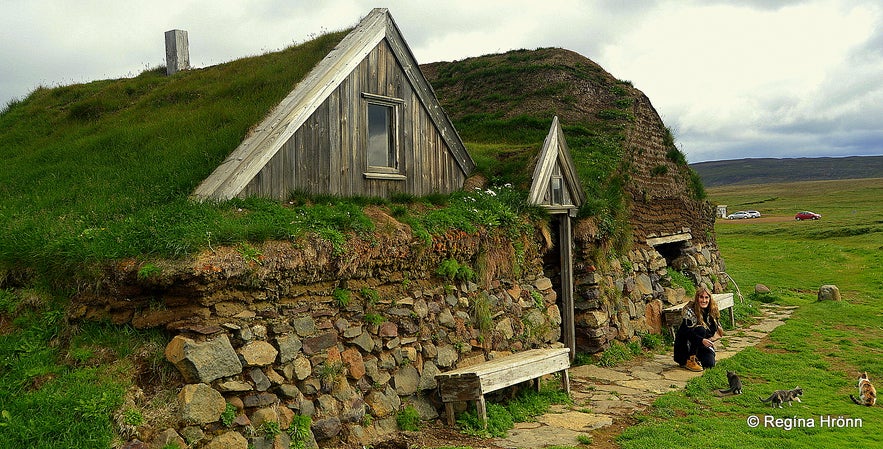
{"x": 795, "y": 422}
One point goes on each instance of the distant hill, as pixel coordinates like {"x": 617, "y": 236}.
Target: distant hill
{"x": 771, "y": 170}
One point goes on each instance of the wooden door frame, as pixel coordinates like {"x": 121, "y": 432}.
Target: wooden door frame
{"x": 565, "y": 251}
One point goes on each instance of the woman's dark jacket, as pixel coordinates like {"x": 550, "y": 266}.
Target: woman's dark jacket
{"x": 690, "y": 334}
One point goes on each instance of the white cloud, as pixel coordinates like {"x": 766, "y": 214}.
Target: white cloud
{"x": 728, "y": 73}
{"x": 734, "y": 78}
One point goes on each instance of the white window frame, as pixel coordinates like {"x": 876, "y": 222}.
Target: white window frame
{"x": 556, "y": 193}
{"x": 393, "y": 170}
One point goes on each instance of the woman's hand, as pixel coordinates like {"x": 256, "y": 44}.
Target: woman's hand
{"x": 707, "y": 343}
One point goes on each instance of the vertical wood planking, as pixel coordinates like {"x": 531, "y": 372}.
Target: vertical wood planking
{"x": 300, "y": 169}
{"x": 326, "y": 155}
{"x": 323, "y": 147}
{"x": 273, "y": 181}
{"x": 336, "y": 167}
{"x": 414, "y": 148}
{"x": 358, "y": 152}
{"x": 315, "y": 163}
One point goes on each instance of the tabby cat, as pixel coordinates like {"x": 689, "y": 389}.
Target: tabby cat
{"x": 780, "y": 396}
{"x": 734, "y": 382}
{"x": 867, "y": 395}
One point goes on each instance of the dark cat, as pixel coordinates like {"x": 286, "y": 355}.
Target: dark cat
{"x": 734, "y": 382}
{"x": 780, "y": 396}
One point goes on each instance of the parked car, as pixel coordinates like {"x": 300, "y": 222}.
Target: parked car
{"x": 738, "y": 215}
{"x": 753, "y": 213}
{"x": 807, "y": 215}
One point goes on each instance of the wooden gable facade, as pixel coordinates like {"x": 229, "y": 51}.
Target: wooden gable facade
{"x": 363, "y": 122}
{"x": 555, "y": 184}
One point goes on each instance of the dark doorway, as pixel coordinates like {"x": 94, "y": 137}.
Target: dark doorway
{"x": 552, "y": 259}
{"x": 670, "y": 251}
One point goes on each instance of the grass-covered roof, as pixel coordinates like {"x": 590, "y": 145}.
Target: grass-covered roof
{"x": 112, "y": 162}
{"x": 503, "y": 104}
{"x": 104, "y": 170}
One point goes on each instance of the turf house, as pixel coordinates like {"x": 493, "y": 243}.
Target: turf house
{"x": 311, "y": 236}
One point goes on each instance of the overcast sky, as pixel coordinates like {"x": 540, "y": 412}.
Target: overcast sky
{"x": 733, "y": 79}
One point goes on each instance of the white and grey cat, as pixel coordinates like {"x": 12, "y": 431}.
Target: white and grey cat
{"x": 781, "y": 396}
{"x": 734, "y": 382}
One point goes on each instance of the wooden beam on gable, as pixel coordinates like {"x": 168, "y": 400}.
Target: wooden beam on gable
{"x": 427, "y": 96}
{"x": 267, "y": 138}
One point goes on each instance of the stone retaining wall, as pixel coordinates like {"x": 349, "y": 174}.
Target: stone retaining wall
{"x": 282, "y": 330}
{"x": 348, "y": 372}
{"x": 623, "y": 298}
{"x": 347, "y": 339}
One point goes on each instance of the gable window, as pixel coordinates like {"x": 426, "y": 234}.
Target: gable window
{"x": 382, "y": 145}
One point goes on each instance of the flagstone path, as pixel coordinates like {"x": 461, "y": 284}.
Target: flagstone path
{"x": 613, "y": 394}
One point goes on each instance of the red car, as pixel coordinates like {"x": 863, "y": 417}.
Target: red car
{"x": 807, "y": 215}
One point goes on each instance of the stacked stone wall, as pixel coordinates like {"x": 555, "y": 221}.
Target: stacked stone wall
{"x": 619, "y": 299}
{"x": 284, "y": 330}
{"x": 347, "y": 341}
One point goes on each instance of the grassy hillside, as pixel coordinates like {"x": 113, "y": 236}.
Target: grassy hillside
{"x": 822, "y": 348}
{"x": 103, "y": 170}
{"x": 768, "y": 170}
{"x": 503, "y": 104}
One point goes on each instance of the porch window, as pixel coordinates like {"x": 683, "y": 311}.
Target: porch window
{"x": 556, "y": 184}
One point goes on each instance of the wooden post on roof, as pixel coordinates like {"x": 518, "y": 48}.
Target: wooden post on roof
{"x": 177, "y": 51}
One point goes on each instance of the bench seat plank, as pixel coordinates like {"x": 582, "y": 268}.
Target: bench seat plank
{"x": 473, "y": 382}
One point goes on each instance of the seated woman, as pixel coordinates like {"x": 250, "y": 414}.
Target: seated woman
{"x": 700, "y": 328}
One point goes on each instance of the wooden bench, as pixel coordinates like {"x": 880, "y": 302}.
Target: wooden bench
{"x": 473, "y": 382}
{"x": 671, "y": 316}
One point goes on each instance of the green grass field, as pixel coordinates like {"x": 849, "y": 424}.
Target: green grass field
{"x": 59, "y": 384}
{"x": 822, "y": 348}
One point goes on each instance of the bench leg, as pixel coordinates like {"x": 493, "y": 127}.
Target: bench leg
{"x": 449, "y": 410}
{"x": 733, "y": 317}
{"x": 482, "y": 411}
{"x": 536, "y": 384}
{"x": 565, "y": 381}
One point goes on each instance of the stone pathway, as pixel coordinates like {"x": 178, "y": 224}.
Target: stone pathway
{"x": 609, "y": 394}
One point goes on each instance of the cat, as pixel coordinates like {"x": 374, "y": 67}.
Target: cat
{"x": 867, "y": 395}
{"x": 780, "y": 396}
{"x": 735, "y": 383}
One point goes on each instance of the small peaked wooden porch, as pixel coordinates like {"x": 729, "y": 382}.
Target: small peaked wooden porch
{"x": 556, "y": 187}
